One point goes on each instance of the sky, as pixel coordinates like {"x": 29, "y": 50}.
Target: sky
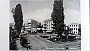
{"x": 42, "y": 9}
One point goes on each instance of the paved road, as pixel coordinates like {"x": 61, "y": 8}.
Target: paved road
{"x": 38, "y": 43}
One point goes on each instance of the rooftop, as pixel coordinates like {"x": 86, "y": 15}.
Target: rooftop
{"x": 74, "y": 24}
{"x": 47, "y": 20}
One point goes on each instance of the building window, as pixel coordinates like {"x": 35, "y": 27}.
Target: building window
{"x": 72, "y": 25}
{"x": 74, "y": 28}
{"x": 76, "y": 25}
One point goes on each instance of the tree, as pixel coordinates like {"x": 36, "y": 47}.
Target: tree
{"x": 18, "y": 18}
{"x": 79, "y": 29}
{"x": 58, "y": 16}
{"x": 12, "y": 42}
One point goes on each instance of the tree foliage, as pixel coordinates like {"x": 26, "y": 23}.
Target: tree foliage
{"x": 58, "y": 16}
{"x": 79, "y": 29}
{"x": 18, "y": 18}
{"x": 12, "y": 41}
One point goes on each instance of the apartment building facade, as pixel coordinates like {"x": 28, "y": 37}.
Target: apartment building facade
{"x": 48, "y": 26}
{"x": 74, "y": 27}
{"x": 31, "y": 25}
{"x": 27, "y": 25}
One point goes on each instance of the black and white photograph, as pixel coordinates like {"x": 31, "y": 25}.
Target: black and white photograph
{"x": 45, "y": 25}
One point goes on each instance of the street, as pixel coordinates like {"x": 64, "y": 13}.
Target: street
{"x": 39, "y": 43}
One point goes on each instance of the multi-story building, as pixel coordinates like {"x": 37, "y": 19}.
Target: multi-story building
{"x": 74, "y": 27}
{"x": 48, "y": 26}
{"x": 31, "y": 25}
{"x": 39, "y": 28}
{"x": 27, "y": 25}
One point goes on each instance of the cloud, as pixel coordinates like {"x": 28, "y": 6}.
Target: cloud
{"x": 42, "y": 10}
{"x": 72, "y": 16}
{"x": 40, "y": 14}
{"x": 11, "y": 19}
{"x": 72, "y": 4}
